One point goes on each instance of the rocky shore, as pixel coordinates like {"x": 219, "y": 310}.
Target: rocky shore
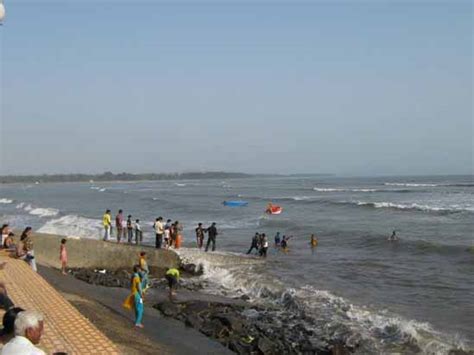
{"x": 237, "y": 324}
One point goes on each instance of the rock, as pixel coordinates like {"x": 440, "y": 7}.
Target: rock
{"x": 169, "y": 309}
{"x": 251, "y": 313}
{"x": 265, "y": 345}
{"x": 239, "y": 348}
{"x": 230, "y": 321}
{"x": 212, "y": 328}
{"x": 197, "y": 307}
{"x": 339, "y": 349}
{"x": 193, "y": 269}
{"x": 193, "y": 321}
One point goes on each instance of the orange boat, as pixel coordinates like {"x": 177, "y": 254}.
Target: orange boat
{"x": 273, "y": 209}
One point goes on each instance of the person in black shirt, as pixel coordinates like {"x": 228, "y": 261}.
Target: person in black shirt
{"x": 212, "y": 233}
{"x": 254, "y": 245}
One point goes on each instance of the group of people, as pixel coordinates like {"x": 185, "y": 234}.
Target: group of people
{"x": 23, "y": 249}
{"x": 139, "y": 284}
{"x": 22, "y": 329}
{"x": 125, "y": 228}
{"x": 260, "y": 243}
{"x": 167, "y": 235}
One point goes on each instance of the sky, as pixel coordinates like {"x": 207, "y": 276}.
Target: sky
{"x": 350, "y": 88}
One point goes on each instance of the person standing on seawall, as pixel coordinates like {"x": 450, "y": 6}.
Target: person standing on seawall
{"x": 119, "y": 225}
{"x": 107, "y": 223}
{"x": 212, "y": 234}
{"x": 159, "y": 230}
{"x": 129, "y": 229}
{"x": 138, "y": 232}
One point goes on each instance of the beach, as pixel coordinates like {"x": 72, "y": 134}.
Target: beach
{"x": 376, "y": 296}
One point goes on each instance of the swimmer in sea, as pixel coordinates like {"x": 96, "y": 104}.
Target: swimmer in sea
{"x": 277, "y": 240}
{"x": 314, "y": 241}
{"x": 393, "y": 236}
{"x": 284, "y": 242}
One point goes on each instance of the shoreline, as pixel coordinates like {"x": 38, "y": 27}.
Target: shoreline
{"x": 276, "y": 318}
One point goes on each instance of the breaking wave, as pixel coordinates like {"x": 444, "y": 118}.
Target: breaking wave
{"x": 412, "y": 206}
{"x": 409, "y": 184}
{"x": 38, "y": 211}
{"x": 5, "y": 201}
{"x": 319, "y": 311}
{"x": 73, "y": 226}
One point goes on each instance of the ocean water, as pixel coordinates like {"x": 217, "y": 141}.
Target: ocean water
{"x": 413, "y": 295}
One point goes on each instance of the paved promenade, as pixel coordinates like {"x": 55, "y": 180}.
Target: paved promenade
{"x": 65, "y": 329}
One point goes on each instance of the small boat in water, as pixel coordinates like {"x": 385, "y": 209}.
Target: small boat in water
{"x": 235, "y": 203}
{"x": 273, "y": 209}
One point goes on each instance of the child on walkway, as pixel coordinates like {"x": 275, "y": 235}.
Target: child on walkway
{"x": 63, "y": 256}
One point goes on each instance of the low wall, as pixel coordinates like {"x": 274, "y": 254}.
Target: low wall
{"x": 89, "y": 253}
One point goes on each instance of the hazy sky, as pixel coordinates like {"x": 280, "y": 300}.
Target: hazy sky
{"x": 356, "y": 88}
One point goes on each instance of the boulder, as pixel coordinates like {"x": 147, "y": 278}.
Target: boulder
{"x": 265, "y": 345}
{"x": 193, "y": 269}
{"x": 193, "y": 321}
{"x": 230, "y": 321}
{"x": 169, "y": 309}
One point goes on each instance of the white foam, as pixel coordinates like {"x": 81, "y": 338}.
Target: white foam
{"x": 5, "y": 201}
{"x": 43, "y": 212}
{"x": 230, "y": 273}
{"x": 38, "y": 211}
{"x": 415, "y": 206}
{"x": 328, "y": 189}
{"x": 409, "y": 184}
{"x": 73, "y": 226}
{"x": 343, "y": 190}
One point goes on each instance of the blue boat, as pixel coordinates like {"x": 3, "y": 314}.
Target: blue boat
{"x": 235, "y": 203}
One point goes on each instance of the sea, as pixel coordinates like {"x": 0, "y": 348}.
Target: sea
{"x": 413, "y": 295}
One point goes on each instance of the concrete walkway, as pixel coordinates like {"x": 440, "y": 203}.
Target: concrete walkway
{"x": 65, "y": 329}
{"x": 173, "y": 335}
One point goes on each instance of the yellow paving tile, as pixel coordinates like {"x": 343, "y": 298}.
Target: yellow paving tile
{"x": 66, "y": 330}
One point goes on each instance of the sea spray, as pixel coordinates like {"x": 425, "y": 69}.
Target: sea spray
{"x": 329, "y": 317}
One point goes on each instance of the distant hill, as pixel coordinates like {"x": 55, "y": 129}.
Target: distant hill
{"x": 108, "y": 176}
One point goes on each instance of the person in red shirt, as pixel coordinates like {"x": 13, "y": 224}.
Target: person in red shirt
{"x": 119, "y": 225}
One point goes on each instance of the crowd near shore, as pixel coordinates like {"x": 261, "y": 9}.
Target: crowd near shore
{"x": 168, "y": 235}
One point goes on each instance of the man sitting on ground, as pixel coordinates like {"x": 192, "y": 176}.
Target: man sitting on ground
{"x": 28, "y": 332}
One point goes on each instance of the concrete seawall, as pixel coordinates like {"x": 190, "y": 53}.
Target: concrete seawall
{"x": 89, "y": 253}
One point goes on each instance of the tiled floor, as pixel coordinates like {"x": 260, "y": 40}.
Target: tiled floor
{"x": 65, "y": 329}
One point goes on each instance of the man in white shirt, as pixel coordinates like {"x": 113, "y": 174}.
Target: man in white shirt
{"x": 159, "y": 230}
{"x": 28, "y": 332}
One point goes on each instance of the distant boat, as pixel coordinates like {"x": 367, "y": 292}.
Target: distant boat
{"x": 235, "y": 203}
{"x": 273, "y": 209}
